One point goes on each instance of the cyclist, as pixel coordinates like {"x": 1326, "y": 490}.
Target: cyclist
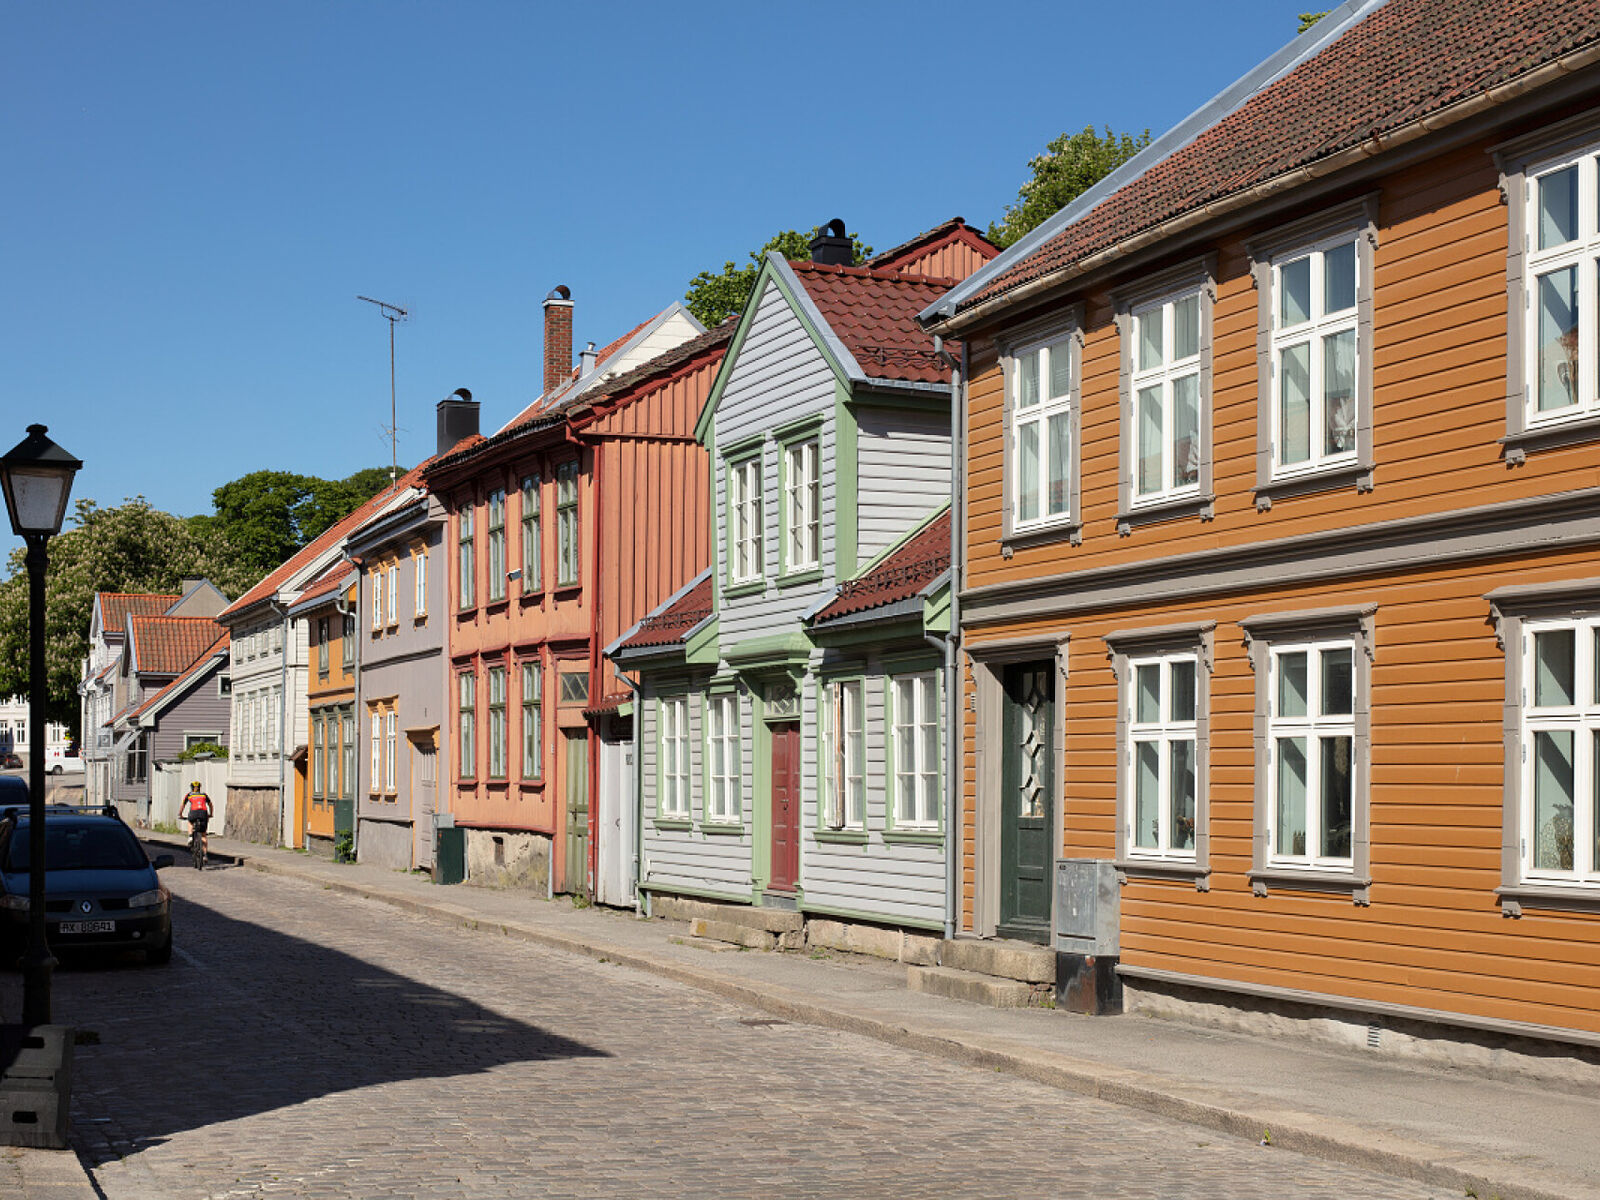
{"x": 196, "y": 810}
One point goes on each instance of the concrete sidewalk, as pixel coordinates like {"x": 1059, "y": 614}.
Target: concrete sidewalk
{"x": 1467, "y": 1133}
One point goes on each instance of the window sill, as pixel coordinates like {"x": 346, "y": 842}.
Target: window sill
{"x": 1515, "y": 898}
{"x": 536, "y": 785}
{"x": 1174, "y": 509}
{"x": 496, "y": 603}
{"x": 1292, "y": 880}
{"x": 1165, "y": 868}
{"x": 673, "y": 824}
{"x": 752, "y": 587}
{"x": 721, "y": 829}
{"x": 1357, "y": 475}
{"x": 809, "y": 575}
{"x": 1041, "y": 535}
{"x": 531, "y": 596}
{"x": 1570, "y": 432}
{"x": 914, "y": 837}
{"x": 567, "y": 588}
{"x": 841, "y": 837}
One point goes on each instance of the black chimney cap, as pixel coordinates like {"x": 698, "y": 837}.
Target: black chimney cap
{"x": 832, "y": 246}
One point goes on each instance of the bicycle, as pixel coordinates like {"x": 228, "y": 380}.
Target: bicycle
{"x": 197, "y": 847}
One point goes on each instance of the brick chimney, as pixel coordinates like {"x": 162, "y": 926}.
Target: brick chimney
{"x": 557, "y": 339}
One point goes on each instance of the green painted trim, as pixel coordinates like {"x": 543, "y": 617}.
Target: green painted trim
{"x": 842, "y": 837}
{"x": 780, "y": 651}
{"x": 846, "y": 485}
{"x": 760, "y": 797}
{"x": 854, "y": 673}
{"x": 921, "y": 401}
{"x": 673, "y": 824}
{"x": 917, "y": 837}
{"x": 883, "y": 920}
{"x": 720, "y": 829}
{"x": 936, "y": 610}
{"x": 809, "y": 575}
{"x": 734, "y": 590}
{"x": 868, "y": 634}
{"x": 625, "y": 709}
{"x": 904, "y": 538}
{"x": 911, "y": 662}
{"x": 746, "y": 447}
{"x": 672, "y": 889}
{"x": 800, "y": 428}
{"x": 918, "y": 833}
{"x": 701, "y": 649}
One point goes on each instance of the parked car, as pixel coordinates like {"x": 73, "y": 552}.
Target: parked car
{"x": 10, "y": 760}
{"x": 101, "y": 889}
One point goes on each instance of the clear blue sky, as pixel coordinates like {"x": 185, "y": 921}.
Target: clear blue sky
{"x": 195, "y": 193}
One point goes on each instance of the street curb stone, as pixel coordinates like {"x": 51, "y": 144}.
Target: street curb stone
{"x": 1315, "y": 1135}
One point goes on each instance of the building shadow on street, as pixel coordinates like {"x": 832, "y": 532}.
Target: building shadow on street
{"x": 246, "y": 1020}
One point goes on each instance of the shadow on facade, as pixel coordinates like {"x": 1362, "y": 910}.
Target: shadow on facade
{"x": 247, "y": 1020}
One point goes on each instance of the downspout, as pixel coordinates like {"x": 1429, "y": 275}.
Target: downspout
{"x": 355, "y": 703}
{"x": 638, "y": 785}
{"x": 283, "y": 711}
{"x": 592, "y": 736}
{"x": 951, "y": 641}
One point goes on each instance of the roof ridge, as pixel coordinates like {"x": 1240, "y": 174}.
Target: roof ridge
{"x": 877, "y": 273}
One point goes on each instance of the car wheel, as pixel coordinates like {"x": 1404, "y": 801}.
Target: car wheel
{"x": 160, "y": 955}
{"x": 55, "y": 770}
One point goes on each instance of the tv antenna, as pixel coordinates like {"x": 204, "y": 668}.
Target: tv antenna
{"x": 391, "y": 313}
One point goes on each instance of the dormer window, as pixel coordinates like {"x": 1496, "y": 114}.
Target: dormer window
{"x": 744, "y": 521}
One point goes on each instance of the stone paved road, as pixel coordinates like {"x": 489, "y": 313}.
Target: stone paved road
{"x": 303, "y": 1044}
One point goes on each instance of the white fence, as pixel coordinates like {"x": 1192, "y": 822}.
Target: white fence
{"x": 169, "y": 783}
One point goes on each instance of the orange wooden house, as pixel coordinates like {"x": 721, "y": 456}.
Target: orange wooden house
{"x": 565, "y": 528}
{"x": 325, "y": 780}
{"x": 1278, "y": 517}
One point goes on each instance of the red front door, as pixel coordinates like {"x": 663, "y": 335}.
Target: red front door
{"x": 785, "y": 808}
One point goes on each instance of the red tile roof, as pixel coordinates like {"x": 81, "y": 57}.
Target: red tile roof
{"x": 668, "y": 625}
{"x": 1406, "y": 60}
{"x": 874, "y": 314}
{"x": 198, "y": 666}
{"x": 329, "y": 583}
{"x": 115, "y": 607}
{"x": 167, "y": 645}
{"x": 899, "y": 575}
{"x": 912, "y": 249}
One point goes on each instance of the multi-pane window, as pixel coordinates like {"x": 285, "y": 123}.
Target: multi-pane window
{"x": 1311, "y": 741}
{"x": 843, "y": 757}
{"x": 1314, "y": 357}
{"x": 722, "y": 759}
{"x": 744, "y": 520}
{"x": 375, "y": 783}
{"x": 1561, "y": 752}
{"x": 532, "y": 721}
{"x": 802, "y": 504}
{"x": 347, "y": 780}
{"x": 391, "y": 597}
{"x": 567, "y": 523}
{"x": 916, "y": 750}
{"x": 391, "y": 742}
{"x": 322, "y": 645}
{"x": 1166, "y": 398}
{"x": 1041, "y": 434}
{"x": 497, "y": 722}
{"x": 672, "y": 714}
{"x": 419, "y": 583}
{"x": 319, "y": 758}
{"x": 274, "y": 734}
{"x": 377, "y": 598}
{"x": 467, "y": 730}
{"x": 1162, "y": 758}
{"x": 496, "y": 550}
{"x": 465, "y": 568}
{"x": 532, "y": 542}
{"x": 1563, "y": 281}
{"x": 347, "y": 640}
{"x": 574, "y": 687}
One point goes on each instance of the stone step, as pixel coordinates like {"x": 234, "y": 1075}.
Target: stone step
{"x": 772, "y": 920}
{"x": 975, "y": 988}
{"x": 1022, "y": 961}
{"x": 738, "y": 935}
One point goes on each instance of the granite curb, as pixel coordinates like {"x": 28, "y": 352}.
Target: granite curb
{"x": 1225, "y": 1111}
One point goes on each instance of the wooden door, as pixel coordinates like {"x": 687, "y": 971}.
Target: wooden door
{"x": 427, "y": 794}
{"x": 785, "y": 807}
{"x": 1027, "y": 800}
{"x": 575, "y": 764}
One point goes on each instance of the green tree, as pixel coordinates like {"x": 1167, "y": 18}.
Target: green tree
{"x": 1307, "y": 20}
{"x": 712, "y": 296}
{"x": 268, "y": 516}
{"x": 130, "y": 548}
{"x": 1069, "y": 166}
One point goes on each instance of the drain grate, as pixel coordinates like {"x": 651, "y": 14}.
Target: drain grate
{"x": 1374, "y": 1035}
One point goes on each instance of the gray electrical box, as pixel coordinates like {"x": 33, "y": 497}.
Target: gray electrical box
{"x": 1088, "y": 902}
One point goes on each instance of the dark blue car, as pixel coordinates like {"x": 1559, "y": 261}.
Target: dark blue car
{"x": 101, "y": 890}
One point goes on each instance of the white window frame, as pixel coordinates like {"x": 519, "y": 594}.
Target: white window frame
{"x": 745, "y": 540}
{"x": 802, "y": 504}
{"x": 391, "y": 742}
{"x": 1581, "y": 253}
{"x": 498, "y": 746}
{"x": 375, "y": 784}
{"x": 723, "y": 800}
{"x": 1164, "y": 732}
{"x": 1037, "y": 415}
{"x": 842, "y": 777}
{"x": 672, "y": 721}
{"x": 914, "y": 755}
{"x": 1314, "y": 333}
{"x": 377, "y": 599}
{"x": 1314, "y": 727}
{"x": 1581, "y": 719}
{"x": 495, "y": 552}
{"x": 1166, "y": 375}
{"x": 392, "y": 593}
{"x": 419, "y": 583}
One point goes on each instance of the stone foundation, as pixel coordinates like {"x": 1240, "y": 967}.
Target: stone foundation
{"x": 252, "y": 815}
{"x": 504, "y": 859}
{"x": 1438, "y": 1044}
{"x": 790, "y": 930}
{"x": 854, "y": 937}
{"x": 384, "y": 844}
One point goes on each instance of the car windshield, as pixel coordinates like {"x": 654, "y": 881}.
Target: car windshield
{"x": 79, "y": 848}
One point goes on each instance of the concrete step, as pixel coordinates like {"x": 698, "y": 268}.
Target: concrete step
{"x": 1022, "y": 961}
{"x": 773, "y": 920}
{"x": 738, "y": 935}
{"x": 975, "y": 988}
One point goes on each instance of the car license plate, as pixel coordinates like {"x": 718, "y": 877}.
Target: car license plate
{"x": 87, "y": 927}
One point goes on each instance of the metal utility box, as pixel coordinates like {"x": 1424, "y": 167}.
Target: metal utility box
{"x": 449, "y": 849}
{"x": 35, "y": 1085}
{"x": 1088, "y": 907}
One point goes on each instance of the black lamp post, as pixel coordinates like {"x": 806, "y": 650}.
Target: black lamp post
{"x": 37, "y": 477}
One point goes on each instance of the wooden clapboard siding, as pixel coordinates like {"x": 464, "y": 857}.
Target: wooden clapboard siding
{"x": 903, "y": 458}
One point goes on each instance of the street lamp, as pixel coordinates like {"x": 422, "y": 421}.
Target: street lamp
{"x": 37, "y": 478}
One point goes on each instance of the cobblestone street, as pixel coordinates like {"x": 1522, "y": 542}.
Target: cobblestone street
{"x": 310, "y": 1045}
